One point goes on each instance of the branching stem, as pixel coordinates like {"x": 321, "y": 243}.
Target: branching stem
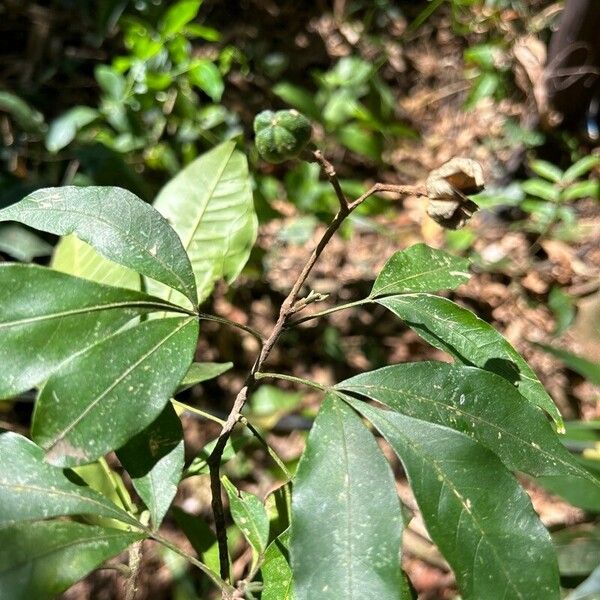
{"x": 285, "y": 312}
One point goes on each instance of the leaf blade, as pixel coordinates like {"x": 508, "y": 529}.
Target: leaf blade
{"x": 46, "y": 317}
{"x": 209, "y": 204}
{"x": 82, "y": 412}
{"x": 470, "y": 340}
{"x": 477, "y": 403}
{"x": 116, "y": 223}
{"x": 154, "y": 459}
{"x": 335, "y": 553}
{"x": 40, "y": 560}
{"x": 420, "y": 269}
{"x": 30, "y": 489}
{"x": 480, "y": 518}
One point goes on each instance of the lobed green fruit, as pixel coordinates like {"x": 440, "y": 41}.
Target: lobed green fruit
{"x": 281, "y": 135}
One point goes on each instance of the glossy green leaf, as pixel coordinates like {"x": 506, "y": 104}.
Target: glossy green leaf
{"x": 420, "y": 269}
{"x": 346, "y": 520}
{"x": 154, "y": 459}
{"x": 276, "y": 571}
{"x": 209, "y": 204}
{"x": 46, "y": 317}
{"x": 586, "y": 368}
{"x": 472, "y": 341}
{"x": 41, "y": 560}
{"x": 474, "y": 510}
{"x": 31, "y": 489}
{"x": 249, "y": 515}
{"x": 546, "y": 170}
{"x": 75, "y": 257}
{"x": 476, "y": 402}
{"x": 178, "y": 16}
{"x": 199, "y": 372}
{"x": 581, "y": 167}
{"x": 85, "y": 411}
{"x": 116, "y": 223}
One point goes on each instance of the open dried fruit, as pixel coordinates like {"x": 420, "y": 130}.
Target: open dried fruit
{"x": 447, "y": 190}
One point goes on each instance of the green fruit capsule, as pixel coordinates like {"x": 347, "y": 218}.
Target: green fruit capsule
{"x": 281, "y": 135}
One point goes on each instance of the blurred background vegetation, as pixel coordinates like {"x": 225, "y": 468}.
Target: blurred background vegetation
{"x": 126, "y": 93}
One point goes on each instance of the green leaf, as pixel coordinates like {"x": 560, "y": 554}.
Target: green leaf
{"x": 209, "y": 204}
{"x": 39, "y": 305}
{"x": 64, "y": 129}
{"x": 178, "y": 16}
{"x": 154, "y": 459}
{"x": 346, "y": 520}
{"x": 25, "y": 116}
{"x": 249, "y": 515}
{"x": 41, "y": 560}
{"x": 578, "y": 549}
{"x": 200, "y": 535}
{"x": 199, "y": 372}
{"x": 112, "y": 83}
{"x": 586, "y": 368}
{"x": 205, "y": 75}
{"x": 563, "y": 307}
{"x": 581, "y": 167}
{"x": 589, "y": 589}
{"x": 484, "y": 86}
{"x": 75, "y": 257}
{"x": 475, "y": 402}
{"x": 298, "y": 98}
{"x": 84, "y": 411}
{"x": 276, "y": 571}
{"x": 546, "y": 170}
{"x": 541, "y": 189}
{"x": 360, "y": 140}
{"x": 582, "y": 189}
{"x": 116, "y": 223}
{"x": 472, "y": 341}
{"x": 420, "y": 269}
{"x": 584, "y": 493}
{"x": 473, "y": 508}
{"x": 199, "y": 466}
{"x": 22, "y": 244}
{"x": 30, "y": 489}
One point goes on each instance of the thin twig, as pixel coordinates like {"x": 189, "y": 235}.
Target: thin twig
{"x": 197, "y": 411}
{"x": 255, "y": 334}
{"x": 135, "y": 561}
{"x": 329, "y": 311}
{"x": 329, "y": 170}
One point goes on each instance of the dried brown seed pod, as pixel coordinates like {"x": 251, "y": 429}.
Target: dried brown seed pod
{"x": 447, "y": 189}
